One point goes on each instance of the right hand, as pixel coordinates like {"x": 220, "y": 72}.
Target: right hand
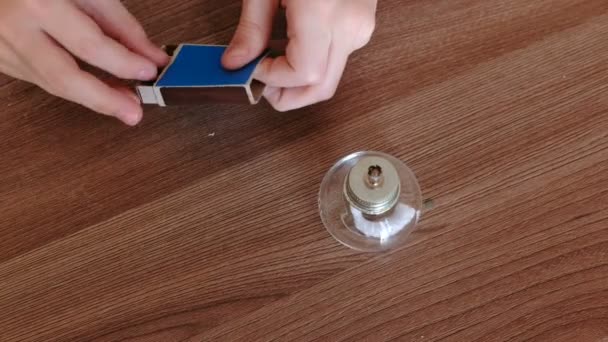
{"x": 39, "y": 37}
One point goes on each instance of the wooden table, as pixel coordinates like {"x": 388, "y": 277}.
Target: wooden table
{"x": 201, "y": 224}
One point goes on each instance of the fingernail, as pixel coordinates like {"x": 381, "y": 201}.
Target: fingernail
{"x": 237, "y": 51}
{"x": 134, "y": 97}
{"x": 130, "y": 119}
{"x": 146, "y": 74}
{"x": 160, "y": 56}
{"x": 165, "y": 56}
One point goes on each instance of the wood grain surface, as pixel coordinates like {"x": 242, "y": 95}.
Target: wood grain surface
{"x": 175, "y": 230}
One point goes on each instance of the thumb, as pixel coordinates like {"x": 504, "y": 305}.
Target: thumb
{"x": 252, "y": 34}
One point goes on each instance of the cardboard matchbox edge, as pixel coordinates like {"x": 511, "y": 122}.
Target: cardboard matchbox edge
{"x": 249, "y": 93}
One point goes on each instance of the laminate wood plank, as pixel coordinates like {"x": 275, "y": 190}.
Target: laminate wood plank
{"x": 202, "y": 225}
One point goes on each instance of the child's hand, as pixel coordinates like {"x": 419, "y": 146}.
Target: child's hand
{"x": 322, "y": 34}
{"x": 39, "y": 37}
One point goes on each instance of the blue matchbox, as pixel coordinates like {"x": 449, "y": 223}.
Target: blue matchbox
{"x": 195, "y": 75}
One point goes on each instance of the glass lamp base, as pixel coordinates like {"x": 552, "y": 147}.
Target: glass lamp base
{"x": 370, "y": 211}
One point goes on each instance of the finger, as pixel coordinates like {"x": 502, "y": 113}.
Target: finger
{"x": 252, "y": 34}
{"x": 57, "y": 72}
{"x": 91, "y": 45}
{"x": 119, "y": 23}
{"x": 126, "y": 91}
{"x": 120, "y": 85}
{"x": 285, "y": 99}
{"x": 306, "y": 55}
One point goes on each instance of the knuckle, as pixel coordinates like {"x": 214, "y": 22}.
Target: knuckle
{"x": 87, "y": 48}
{"x": 312, "y": 76}
{"x": 101, "y": 104}
{"x": 135, "y": 29}
{"x": 101, "y": 107}
{"x": 250, "y": 28}
{"x": 58, "y": 87}
{"x": 38, "y": 8}
{"x": 362, "y": 39}
{"x": 324, "y": 8}
{"x": 5, "y": 28}
{"x": 359, "y": 25}
{"x": 327, "y": 94}
{"x": 5, "y": 21}
{"x": 367, "y": 29}
{"x": 53, "y": 89}
{"x": 58, "y": 82}
{"x": 281, "y": 107}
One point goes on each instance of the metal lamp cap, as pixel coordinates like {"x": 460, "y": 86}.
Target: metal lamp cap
{"x": 373, "y": 186}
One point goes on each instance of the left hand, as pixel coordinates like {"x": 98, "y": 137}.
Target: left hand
{"x": 40, "y": 41}
{"x": 321, "y": 36}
